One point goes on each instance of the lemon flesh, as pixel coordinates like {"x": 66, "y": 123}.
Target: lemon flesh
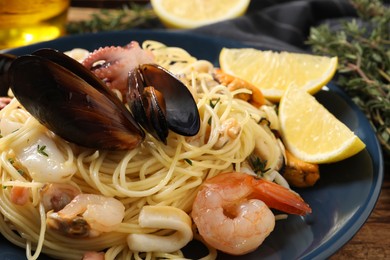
{"x": 273, "y": 72}
{"x": 194, "y": 13}
{"x": 311, "y": 132}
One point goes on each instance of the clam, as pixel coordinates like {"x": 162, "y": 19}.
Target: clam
{"x": 72, "y": 102}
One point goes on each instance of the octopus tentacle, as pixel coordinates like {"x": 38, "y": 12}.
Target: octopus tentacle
{"x": 112, "y": 64}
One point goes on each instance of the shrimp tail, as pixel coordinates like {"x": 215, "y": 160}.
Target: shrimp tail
{"x": 280, "y": 198}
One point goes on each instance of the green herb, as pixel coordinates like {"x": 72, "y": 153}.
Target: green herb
{"x": 188, "y": 161}
{"x": 128, "y": 17}
{"x": 258, "y": 165}
{"x": 4, "y": 187}
{"x": 21, "y": 172}
{"x": 364, "y": 61}
{"x": 41, "y": 150}
{"x": 11, "y": 160}
{"x": 213, "y": 103}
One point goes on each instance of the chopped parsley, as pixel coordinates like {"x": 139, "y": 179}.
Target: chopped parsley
{"x": 41, "y": 150}
{"x": 213, "y": 103}
{"x": 188, "y": 161}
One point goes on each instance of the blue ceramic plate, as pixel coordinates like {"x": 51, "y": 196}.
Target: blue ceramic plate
{"x": 341, "y": 201}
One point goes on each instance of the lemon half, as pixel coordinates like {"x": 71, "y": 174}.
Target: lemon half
{"x": 195, "y": 13}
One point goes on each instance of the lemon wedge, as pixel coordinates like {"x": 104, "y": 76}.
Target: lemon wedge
{"x": 311, "y": 132}
{"x": 273, "y": 72}
{"x": 195, "y": 13}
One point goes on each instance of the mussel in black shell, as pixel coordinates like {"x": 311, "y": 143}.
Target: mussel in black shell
{"x": 160, "y": 101}
{"x": 72, "y": 102}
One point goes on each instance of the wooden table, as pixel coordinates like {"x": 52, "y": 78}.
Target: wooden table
{"x": 373, "y": 239}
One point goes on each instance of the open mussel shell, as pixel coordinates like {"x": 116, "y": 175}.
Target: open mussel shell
{"x": 72, "y": 103}
{"x": 147, "y": 106}
{"x": 72, "y": 65}
{"x": 182, "y": 113}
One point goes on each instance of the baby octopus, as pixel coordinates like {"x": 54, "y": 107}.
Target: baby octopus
{"x": 112, "y": 64}
{"x": 231, "y": 211}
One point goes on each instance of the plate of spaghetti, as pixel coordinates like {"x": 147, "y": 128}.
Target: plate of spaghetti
{"x": 199, "y": 175}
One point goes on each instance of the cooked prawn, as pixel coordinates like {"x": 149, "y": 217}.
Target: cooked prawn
{"x": 93, "y": 255}
{"x": 232, "y": 83}
{"x": 20, "y": 195}
{"x": 231, "y": 211}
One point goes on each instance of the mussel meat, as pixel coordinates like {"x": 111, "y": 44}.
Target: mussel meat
{"x": 72, "y": 102}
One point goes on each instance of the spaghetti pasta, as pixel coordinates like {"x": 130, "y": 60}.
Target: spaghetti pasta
{"x": 152, "y": 174}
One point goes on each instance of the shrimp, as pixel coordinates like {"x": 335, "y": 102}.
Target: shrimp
{"x": 231, "y": 211}
{"x": 20, "y": 195}
{"x": 93, "y": 255}
{"x": 87, "y": 215}
{"x": 232, "y": 83}
{"x": 4, "y": 101}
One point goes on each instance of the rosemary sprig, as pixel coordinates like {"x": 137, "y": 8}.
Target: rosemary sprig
{"x": 128, "y": 17}
{"x": 362, "y": 47}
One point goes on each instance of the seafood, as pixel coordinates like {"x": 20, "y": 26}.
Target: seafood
{"x": 55, "y": 196}
{"x": 75, "y": 105}
{"x": 161, "y": 217}
{"x": 87, "y": 215}
{"x": 268, "y": 154}
{"x": 229, "y": 130}
{"x": 112, "y": 64}
{"x": 4, "y": 101}
{"x": 231, "y": 210}
{"x": 43, "y": 161}
{"x": 299, "y": 173}
{"x": 20, "y": 195}
{"x": 160, "y": 101}
{"x": 156, "y": 97}
{"x": 256, "y": 98}
{"x": 92, "y": 255}
{"x": 72, "y": 102}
